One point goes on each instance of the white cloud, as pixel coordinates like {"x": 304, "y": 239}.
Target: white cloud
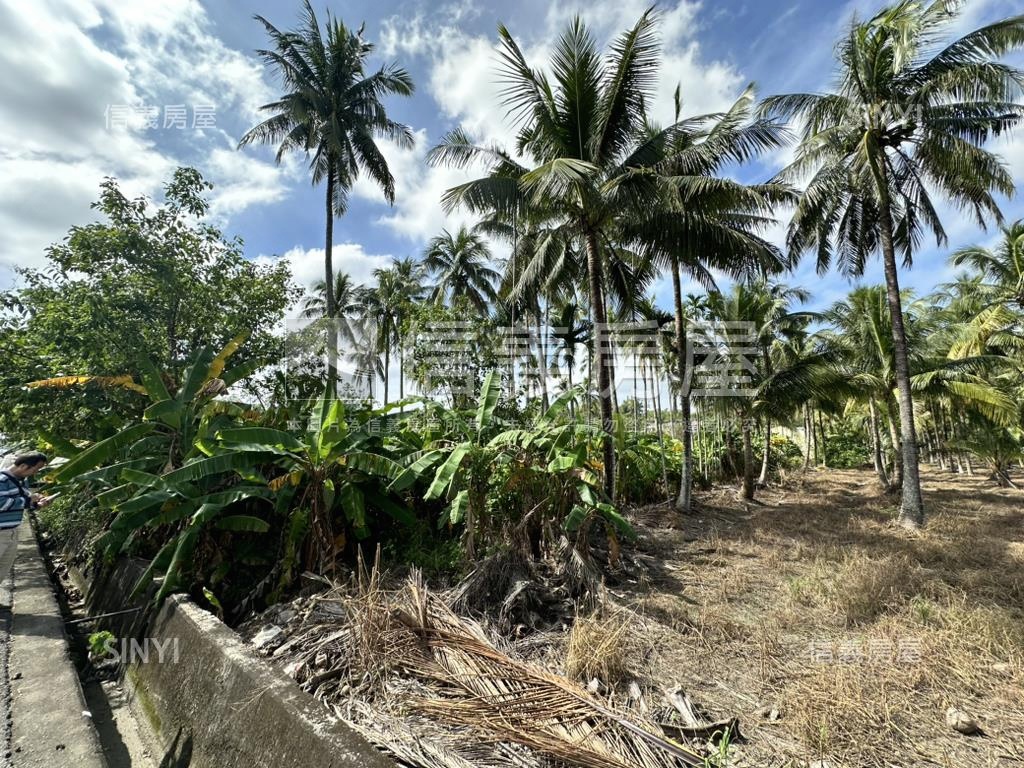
{"x": 307, "y": 264}
{"x": 65, "y": 63}
{"x": 1011, "y": 150}
{"x": 241, "y": 182}
{"x": 418, "y": 213}
{"x": 171, "y": 50}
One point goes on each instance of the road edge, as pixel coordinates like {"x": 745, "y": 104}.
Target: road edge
{"x": 51, "y": 724}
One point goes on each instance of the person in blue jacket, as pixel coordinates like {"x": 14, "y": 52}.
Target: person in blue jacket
{"x": 15, "y": 498}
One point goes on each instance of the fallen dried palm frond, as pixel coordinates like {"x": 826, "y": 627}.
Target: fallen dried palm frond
{"x": 419, "y": 742}
{"x": 428, "y": 687}
{"x": 483, "y": 688}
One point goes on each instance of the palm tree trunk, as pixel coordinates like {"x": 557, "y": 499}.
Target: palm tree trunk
{"x": 894, "y": 437}
{"x": 332, "y": 335}
{"x": 876, "y": 445}
{"x": 684, "y": 502}
{"x": 590, "y": 381}
{"x": 808, "y": 437}
{"x": 824, "y": 440}
{"x": 954, "y": 435}
{"x": 762, "y": 479}
{"x": 814, "y": 437}
{"x": 512, "y": 360}
{"x": 701, "y": 442}
{"x": 656, "y": 399}
{"x": 963, "y": 426}
{"x": 568, "y": 373}
{"x": 912, "y": 504}
{"x": 401, "y": 371}
{"x": 672, "y": 410}
{"x": 748, "y": 461}
{"x": 542, "y": 321}
{"x": 604, "y": 364}
{"x": 937, "y": 436}
{"x": 387, "y": 371}
{"x": 636, "y": 398}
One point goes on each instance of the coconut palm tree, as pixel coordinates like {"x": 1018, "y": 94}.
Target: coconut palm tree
{"x": 996, "y": 294}
{"x": 594, "y": 169}
{"x": 347, "y": 324}
{"x": 332, "y": 111}
{"x": 774, "y": 324}
{"x": 709, "y": 221}
{"x": 460, "y": 266}
{"x": 385, "y": 307}
{"x": 732, "y": 371}
{"x": 909, "y": 116}
{"x": 346, "y": 298}
{"x": 377, "y": 304}
{"x": 860, "y": 331}
{"x": 407, "y": 285}
{"x": 1003, "y": 267}
{"x": 572, "y": 330}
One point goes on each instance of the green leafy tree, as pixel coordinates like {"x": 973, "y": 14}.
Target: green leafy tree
{"x": 150, "y": 280}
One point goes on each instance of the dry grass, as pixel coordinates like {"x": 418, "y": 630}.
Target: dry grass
{"x": 601, "y": 646}
{"x": 860, "y": 634}
{"x": 449, "y": 697}
{"x": 867, "y": 587}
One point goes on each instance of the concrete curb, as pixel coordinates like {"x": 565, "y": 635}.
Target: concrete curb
{"x": 213, "y": 704}
{"x": 49, "y": 725}
{"x": 206, "y": 700}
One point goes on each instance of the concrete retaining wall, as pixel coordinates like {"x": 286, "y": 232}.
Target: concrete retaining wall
{"x": 211, "y": 703}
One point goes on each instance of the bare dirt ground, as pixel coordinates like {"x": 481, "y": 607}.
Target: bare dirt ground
{"x": 859, "y": 635}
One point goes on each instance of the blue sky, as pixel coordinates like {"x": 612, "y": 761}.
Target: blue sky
{"x": 68, "y": 61}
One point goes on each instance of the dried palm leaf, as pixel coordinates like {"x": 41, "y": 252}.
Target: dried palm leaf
{"x": 481, "y": 687}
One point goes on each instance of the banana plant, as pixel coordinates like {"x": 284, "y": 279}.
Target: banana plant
{"x": 461, "y": 478}
{"x": 334, "y": 466}
{"x": 157, "y": 474}
{"x": 559, "y": 451}
{"x": 174, "y": 426}
{"x": 553, "y": 451}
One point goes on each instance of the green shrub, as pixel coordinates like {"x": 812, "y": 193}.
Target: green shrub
{"x": 100, "y": 643}
{"x": 74, "y": 520}
{"x": 846, "y": 447}
{"x": 785, "y": 454}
